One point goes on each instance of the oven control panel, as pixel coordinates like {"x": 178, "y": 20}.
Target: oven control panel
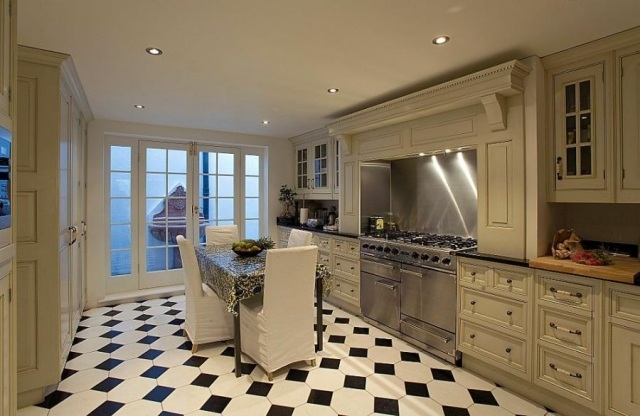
{"x": 409, "y": 253}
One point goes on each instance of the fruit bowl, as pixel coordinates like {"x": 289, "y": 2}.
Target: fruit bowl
{"x": 249, "y": 253}
{"x": 246, "y": 248}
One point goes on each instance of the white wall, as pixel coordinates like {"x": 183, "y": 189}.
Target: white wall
{"x": 278, "y": 161}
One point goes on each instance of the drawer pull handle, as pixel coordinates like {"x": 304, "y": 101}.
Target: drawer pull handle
{"x": 509, "y": 313}
{"x": 565, "y": 372}
{"x": 386, "y": 286}
{"x": 352, "y": 268}
{"x": 337, "y": 284}
{"x": 338, "y": 245}
{"x": 509, "y": 281}
{"x": 472, "y": 336}
{"x": 337, "y": 264}
{"x": 352, "y": 290}
{"x": 564, "y": 292}
{"x": 508, "y": 350}
{"x": 570, "y": 331}
{"x": 473, "y": 273}
{"x": 473, "y": 302}
{"x": 353, "y": 248}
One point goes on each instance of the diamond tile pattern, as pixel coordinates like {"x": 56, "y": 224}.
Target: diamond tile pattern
{"x": 132, "y": 359}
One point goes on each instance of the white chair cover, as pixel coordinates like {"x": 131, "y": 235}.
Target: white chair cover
{"x": 221, "y": 234}
{"x": 299, "y": 238}
{"x": 206, "y": 316}
{"x": 276, "y": 332}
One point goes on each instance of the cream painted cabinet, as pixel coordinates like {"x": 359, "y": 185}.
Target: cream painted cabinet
{"x": 6, "y": 59}
{"x": 6, "y": 366}
{"x": 52, "y": 128}
{"x": 629, "y": 132}
{"x": 314, "y": 156}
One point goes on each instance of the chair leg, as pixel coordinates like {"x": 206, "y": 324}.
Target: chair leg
{"x": 194, "y": 348}
{"x": 313, "y": 362}
{"x": 270, "y": 376}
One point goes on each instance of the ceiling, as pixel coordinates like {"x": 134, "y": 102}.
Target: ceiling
{"x": 229, "y": 64}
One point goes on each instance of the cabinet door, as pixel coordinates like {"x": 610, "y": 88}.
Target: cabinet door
{"x": 579, "y": 130}
{"x": 322, "y": 172}
{"x": 302, "y": 169}
{"x": 630, "y": 131}
{"x": 624, "y": 375}
{"x": 5, "y": 56}
{"x": 336, "y": 169}
{"x": 5, "y": 343}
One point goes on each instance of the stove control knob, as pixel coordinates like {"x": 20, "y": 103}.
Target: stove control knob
{"x": 395, "y": 251}
{"x": 379, "y": 248}
{"x": 424, "y": 257}
{"x": 404, "y": 253}
{"x": 446, "y": 261}
{"x": 372, "y": 247}
{"x": 365, "y": 246}
{"x": 387, "y": 250}
{"x": 435, "y": 259}
{"x": 414, "y": 255}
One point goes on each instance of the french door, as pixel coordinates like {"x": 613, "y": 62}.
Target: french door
{"x": 160, "y": 190}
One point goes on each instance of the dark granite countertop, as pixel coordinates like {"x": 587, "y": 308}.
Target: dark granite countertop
{"x": 492, "y": 257}
{"x": 319, "y": 230}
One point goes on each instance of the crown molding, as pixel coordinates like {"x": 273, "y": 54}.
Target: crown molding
{"x": 321, "y": 133}
{"x": 503, "y": 80}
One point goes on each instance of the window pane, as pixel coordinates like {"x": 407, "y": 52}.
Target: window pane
{"x": 252, "y": 208}
{"x": 178, "y": 161}
{"x": 157, "y": 234}
{"x": 225, "y": 186}
{"x": 585, "y": 95}
{"x": 156, "y": 184}
{"x": 120, "y": 262}
{"x": 225, "y": 163}
{"x": 207, "y": 185}
{"x": 174, "y": 181}
{"x": 120, "y": 184}
{"x": 251, "y": 228}
{"x": 120, "y": 158}
{"x": 225, "y": 208}
{"x": 570, "y": 98}
{"x": 208, "y": 208}
{"x": 208, "y": 162}
{"x": 156, "y": 259}
{"x": 156, "y": 160}
{"x": 252, "y": 165}
{"x": 252, "y": 186}
{"x": 120, "y": 236}
{"x": 175, "y": 261}
{"x": 154, "y": 206}
{"x": 571, "y": 162}
{"x": 585, "y": 160}
{"x": 120, "y": 210}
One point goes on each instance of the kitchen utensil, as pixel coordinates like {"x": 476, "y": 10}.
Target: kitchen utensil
{"x": 304, "y": 215}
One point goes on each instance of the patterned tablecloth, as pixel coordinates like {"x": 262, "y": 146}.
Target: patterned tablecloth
{"x": 236, "y": 278}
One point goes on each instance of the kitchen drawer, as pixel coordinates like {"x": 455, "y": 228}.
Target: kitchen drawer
{"x": 324, "y": 258}
{"x": 566, "y": 292}
{"x": 502, "y": 348}
{"x": 564, "y": 374}
{"x": 512, "y": 280}
{"x": 324, "y": 243}
{"x": 475, "y": 274}
{"x": 500, "y": 311}
{"x": 347, "y": 290}
{"x": 346, "y": 246}
{"x": 346, "y": 265}
{"x": 625, "y": 305}
{"x": 566, "y": 329}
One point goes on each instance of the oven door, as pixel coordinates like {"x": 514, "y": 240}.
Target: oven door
{"x": 380, "y": 299}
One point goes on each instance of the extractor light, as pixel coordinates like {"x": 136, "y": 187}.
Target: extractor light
{"x": 154, "y": 51}
{"x": 440, "y": 40}
{"x": 265, "y": 122}
{"x": 139, "y": 106}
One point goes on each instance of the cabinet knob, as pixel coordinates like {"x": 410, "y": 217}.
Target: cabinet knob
{"x": 337, "y": 264}
{"x": 472, "y": 336}
{"x": 337, "y": 284}
{"x": 352, "y": 268}
{"x": 508, "y": 350}
{"x": 509, "y": 281}
{"x": 473, "y": 273}
{"x": 473, "y": 302}
{"x": 509, "y": 313}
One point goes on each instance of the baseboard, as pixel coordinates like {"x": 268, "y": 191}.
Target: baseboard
{"x": 141, "y": 295}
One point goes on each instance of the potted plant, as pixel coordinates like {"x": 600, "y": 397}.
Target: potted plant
{"x": 288, "y": 205}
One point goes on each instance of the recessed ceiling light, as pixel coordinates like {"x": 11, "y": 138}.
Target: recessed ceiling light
{"x": 154, "y": 51}
{"x": 332, "y": 90}
{"x": 265, "y": 121}
{"x": 138, "y": 106}
{"x": 440, "y": 40}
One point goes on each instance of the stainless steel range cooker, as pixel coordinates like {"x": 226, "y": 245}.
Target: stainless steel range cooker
{"x": 408, "y": 286}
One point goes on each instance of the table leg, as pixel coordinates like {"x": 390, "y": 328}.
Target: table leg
{"x": 236, "y": 340}
{"x": 319, "y": 312}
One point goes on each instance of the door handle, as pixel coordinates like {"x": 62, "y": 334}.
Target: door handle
{"x": 72, "y": 235}
{"x": 559, "y": 168}
{"x": 385, "y": 285}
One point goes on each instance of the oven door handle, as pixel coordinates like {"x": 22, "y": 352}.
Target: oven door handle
{"x": 378, "y": 264}
{"x": 412, "y": 272}
{"x": 385, "y": 285}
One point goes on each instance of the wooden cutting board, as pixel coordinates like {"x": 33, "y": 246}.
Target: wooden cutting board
{"x": 623, "y": 269}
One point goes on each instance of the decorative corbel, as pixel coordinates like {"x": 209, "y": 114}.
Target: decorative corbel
{"x": 496, "y": 108}
{"x": 345, "y": 143}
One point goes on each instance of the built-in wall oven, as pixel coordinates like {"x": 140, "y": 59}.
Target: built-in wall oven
{"x": 408, "y": 287}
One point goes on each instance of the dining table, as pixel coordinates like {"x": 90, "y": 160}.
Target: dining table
{"x": 235, "y": 278}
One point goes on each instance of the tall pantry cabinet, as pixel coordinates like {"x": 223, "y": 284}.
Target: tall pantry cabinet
{"x": 52, "y": 117}
{"x": 8, "y": 52}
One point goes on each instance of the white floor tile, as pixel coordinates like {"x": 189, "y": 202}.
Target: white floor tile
{"x": 419, "y": 406}
{"x": 177, "y": 299}
{"x": 228, "y": 385}
{"x": 162, "y": 319}
{"x": 96, "y": 311}
{"x": 352, "y": 402}
{"x": 168, "y": 343}
{"x": 83, "y": 380}
{"x": 126, "y": 352}
{"x": 289, "y": 393}
{"x": 80, "y": 404}
{"x": 247, "y": 405}
{"x": 178, "y": 376}
{"x": 157, "y": 310}
{"x": 164, "y": 330}
{"x": 357, "y": 366}
{"x": 314, "y": 410}
{"x": 127, "y": 315}
{"x": 89, "y": 345}
{"x": 325, "y": 379}
{"x": 385, "y": 386}
{"x": 186, "y": 399}
{"x": 127, "y": 306}
{"x": 414, "y": 372}
{"x": 140, "y": 408}
{"x": 471, "y": 381}
{"x": 154, "y": 302}
{"x": 485, "y": 410}
{"x": 130, "y": 368}
{"x": 93, "y": 331}
{"x": 86, "y": 361}
{"x": 516, "y": 404}
{"x": 448, "y": 393}
{"x": 384, "y": 355}
{"x": 33, "y": 411}
{"x": 129, "y": 337}
{"x": 131, "y": 390}
{"x": 172, "y": 358}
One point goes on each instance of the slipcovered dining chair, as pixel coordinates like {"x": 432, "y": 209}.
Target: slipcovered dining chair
{"x": 276, "y": 333}
{"x": 299, "y": 238}
{"x": 206, "y": 316}
{"x": 221, "y": 234}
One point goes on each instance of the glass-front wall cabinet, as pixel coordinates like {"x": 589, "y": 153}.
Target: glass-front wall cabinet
{"x": 314, "y": 161}
{"x": 579, "y": 128}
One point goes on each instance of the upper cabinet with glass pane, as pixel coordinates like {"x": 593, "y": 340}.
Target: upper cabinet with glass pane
{"x": 314, "y": 158}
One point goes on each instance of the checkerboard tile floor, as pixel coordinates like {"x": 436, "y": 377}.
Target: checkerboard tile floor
{"x": 132, "y": 359}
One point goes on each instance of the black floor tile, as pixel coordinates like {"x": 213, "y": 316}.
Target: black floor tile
{"x": 276, "y": 410}
{"x": 229, "y": 352}
{"x": 159, "y": 393}
{"x": 483, "y": 397}
{"x": 165, "y": 413}
{"x": 109, "y": 364}
{"x": 53, "y": 399}
{"x": 177, "y": 321}
{"x": 151, "y": 354}
{"x": 154, "y": 372}
{"x": 66, "y": 373}
{"x": 321, "y": 397}
{"x": 111, "y": 334}
{"x": 195, "y": 361}
{"x": 455, "y": 411}
{"x": 148, "y": 340}
{"x": 215, "y": 404}
{"x": 416, "y": 389}
{"x": 146, "y": 328}
{"x": 410, "y": 356}
{"x": 337, "y": 339}
{"x": 107, "y": 408}
{"x": 172, "y": 312}
{"x": 355, "y": 382}
{"x": 143, "y": 317}
{"x": 442, "y": 375}
{"x": 186, "y": 346}
{"x": 361, "y": 330}
{"x": 383, "y": 342}
{"x": 297, "y": 375}
{"x": 107, "y": 384}
{"x": 327, "y": 311}
{"x": 358, "y": 352}
{"x": 247, "y": 368}
{"x": 333, "y": 363}
{"x": 258, "y": 388}
{"x": 109, "y": 348}
{"x": 141, "y": 308}
{"x": 112, "y": 313}
{"x": 204, "y": 380}
{"x": 168, "y": 303}
{"x": 342, "y": 320}
{"x": 111, "y": 323}
{"x": 315, "y": 327}
{"x": 386, "y": 406}
{"x": 384, "y": 368}
{"x": 73, "y": 355}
